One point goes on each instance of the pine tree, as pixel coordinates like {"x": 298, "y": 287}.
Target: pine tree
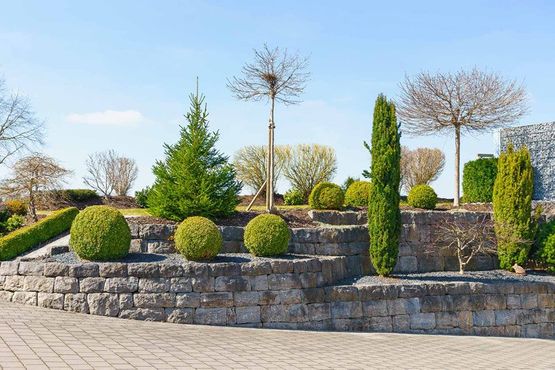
{"x": 512, "y": 206}
{"x": 384, "y": 215}
{"x": 195, "y": 179}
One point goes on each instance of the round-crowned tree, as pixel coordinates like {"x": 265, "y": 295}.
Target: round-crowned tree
{"x": 326, "y": 195}
{"x": 100, "y": 233}
{"x": 198, "y": 239}
{"x": 267, "y": 235}
{"x": 357, "y": 194}
{"x": 422, "y": 196}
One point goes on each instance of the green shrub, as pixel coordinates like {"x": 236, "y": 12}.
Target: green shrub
{"x": 16, "y": 207}
{"x": 512, "y": 207}
{"x": 141, "y": 197}
{"x": 267, "y": 235}
{"x": 27, "y": 237}
{"x": 546, "y": 245}
{"x": 357, "y": 194}
{"x": 478, "y": 180}
{"x": 293, "y": 197}
{"x": 384, "y": 215}
{"x": 198, "y": 239}
{"x": 14, "y": 222}
{"x": 422, "y": 196}
{"x": 80, "y": 195}
{"x": 4, "y": 213}
{"x": 348, "y": 182}
{"x": 100, "y": 233}
{"x": 326, "y": 195}
{"x": 195, "y": 179}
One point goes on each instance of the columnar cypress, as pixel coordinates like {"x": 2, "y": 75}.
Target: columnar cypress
{"x": 195, "y": 179}
{"x": 384, "y": 216}
{"x": 512, "y": 206}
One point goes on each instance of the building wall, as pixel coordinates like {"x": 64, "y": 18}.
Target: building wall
{"x": 540, "y": 140}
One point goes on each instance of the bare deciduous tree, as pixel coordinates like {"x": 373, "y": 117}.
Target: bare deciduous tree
{"x": 420, "y": 166}
{"x": 107, "y": 172}
{"x": 250, "y": 164}
{"x": 465, "y": 101}
{"x": 309, "y": 165}
{"x": 466, "y": 239}
{"x": 275, "y": 75}
{"x": 20, "y": 130}
{"x": 34, "y": 176}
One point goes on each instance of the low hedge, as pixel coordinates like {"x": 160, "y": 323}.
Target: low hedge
{"x": 27, "y": 237}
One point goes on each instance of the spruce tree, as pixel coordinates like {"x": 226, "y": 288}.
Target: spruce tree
{"x": 195, "y": 179}
{"x": 512, "y": 206}
{"x": 384, "y": 215}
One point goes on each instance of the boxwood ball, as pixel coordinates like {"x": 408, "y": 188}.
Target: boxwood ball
{"x": 100, "y": 233}
{"x": 267, "y": 235}
{"x": 198, "y": 239}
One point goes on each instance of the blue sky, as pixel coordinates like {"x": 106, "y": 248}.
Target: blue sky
{"x": 117, "y": 74}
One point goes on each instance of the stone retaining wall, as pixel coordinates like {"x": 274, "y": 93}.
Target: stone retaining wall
{"x": 291, "y": 294}
{"x": 417, "y": 252}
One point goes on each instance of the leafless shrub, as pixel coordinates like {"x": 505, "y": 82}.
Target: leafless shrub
{"x": 34, "y": 176}
{"x": 420, "y": 166}
{"x": 309, "y": 165}
{"x": 107, "y": 172}
{"x": 465, "y": 101}
{"x": 125, "y": 175}
{"x": 250, "y": 164}
{"x": 20, "y": 130}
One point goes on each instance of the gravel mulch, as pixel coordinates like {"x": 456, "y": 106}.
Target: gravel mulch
{"x": 71, "y": 258}
{"x": 489, "y": 277}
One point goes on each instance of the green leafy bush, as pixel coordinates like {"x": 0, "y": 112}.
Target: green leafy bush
{"x": 546, "y": 245}
{"x": 195, "y": 179}
{"x": 422, "y": 196}
{"x": 4, "y": 213}
{"x": 326, "y": 195}
{"x": 141, "y": 197}
{"x": 512, "y": 207}
{"x": 16, "y": 207}
{"x": 79, "y": 195}
{"x": 27, "y": 237}
{"x": 267, "y": 235}
{"x": 357, "y": 194}
{"x": 293, "y": 197}
{"x": 198, "y": 239}
{"x": 14, "y": 222}
{"x": 478, "y": 180}
{"x": 100, "y": 233}
{"x": 348, "y": 182}
{"x": 384, "y": 215}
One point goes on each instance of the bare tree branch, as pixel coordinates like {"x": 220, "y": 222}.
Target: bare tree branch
{"x": 108, "y": 172}
{"x": 420, "y": 166}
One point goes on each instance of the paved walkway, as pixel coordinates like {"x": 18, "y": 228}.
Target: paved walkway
{"x": 39, "y": 338}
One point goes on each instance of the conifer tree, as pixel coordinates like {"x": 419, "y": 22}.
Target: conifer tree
{"x": 384, "y": 216}
{"x": 195, "y": 179}
{"x": 512, "y": 206}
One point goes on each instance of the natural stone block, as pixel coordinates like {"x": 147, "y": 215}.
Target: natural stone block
{"x": 146, "y": 314}
{"x": 14, "y": 283}
{"x": 76, "y": 303}
{"x": 291, "y": 296}
{"x": 496, "y": 302}
{"x": 64, "y": 284}
{"x": 407, "y": 264}
{"x": 210, "y": 316}
{"x": 51, "y": 300}
{"x": 274, "y": 313}
{"x": 505, "y": 317}
{"x": 246, "y": 298}
{"x": 401, "y": 323}
{"x": 284, "y": 281}
{"x": 248, "y": 314}
{"x": 529, "y": 300}
{"x": 346, "y": 310}
{"x": 181, "y": 285}
{"x": 30, "y": 268}
{"x": 187, "y": 299}
{"x": 219, "y": 299}
{"x": 154, "y": 285}
{"x": 376, "y": 292}
{"x": 380, "y": 323}
{"x": 546, "y": 300}
{"x": 143, "y": 270}
{"x": 112, "y": 269}
{"x": 154, "y": 300}
{"x": 92, "y": 285}
{"x": 319, "y": 311}
{"x": 422, "y": 321}
{"x": 484, "y": 318}
{"x": 231, "y": 284}
{"x": 375, "y": 308}
{"x": 171, "y": 270}
{"x": 125, "y": 301}
{"x": 83, "y": 270}
{"x": 6, "y": 296}
{"x": 103, "y": 304}
{"x": 9, "y": 268}
{"x": 225, "y": 269}
{"x": 341, "y": 293}
{"x": 55, "y": 269}
{"x": 29, "y": 298}
{"x": 255, "y": 268}
{"x": 38, "y": 284}
{"x": 269, "y": 297}
{"x": 122, "y": 285}
{"x": 314, "y": 295}
{"x": 202, "y": 284}
{"x": 312, "y": 279}
{"x": 403, "y": 306}
{"x": 437, "y": 303}
{"x": 179, "y": 315}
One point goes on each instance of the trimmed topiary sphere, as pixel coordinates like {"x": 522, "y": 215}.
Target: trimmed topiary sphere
{"x": 198, "y": 239}
{"x": 326, "y": 195}
{"x": 357, "y": 194}
{"x": 267, "y": 235}
{"x": 422, "y": 196}
{"x": 100, "y": 233}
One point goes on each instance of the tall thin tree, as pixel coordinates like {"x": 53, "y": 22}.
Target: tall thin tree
{"x": 274, "y": 76}
{"x": 464, "y": 101}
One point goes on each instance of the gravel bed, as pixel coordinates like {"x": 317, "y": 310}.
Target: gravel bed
{"x": 71, "y": 258}
{"x": 487, "y": 277}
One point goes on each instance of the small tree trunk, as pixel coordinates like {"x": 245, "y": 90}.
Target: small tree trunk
{"x": 456, "y": 199}
{"x": 270, "y": 169}
{"x": 32, "y": 207}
